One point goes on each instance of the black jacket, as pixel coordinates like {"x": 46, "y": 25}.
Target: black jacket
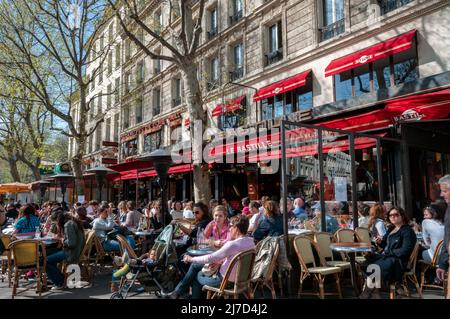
{"x": 443, "y": 257}
{"x": 269, "y": 226}
{"x": 400, "y": 244}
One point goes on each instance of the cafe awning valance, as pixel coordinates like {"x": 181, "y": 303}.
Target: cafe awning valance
{"x": 285, "y": 85}
{"x": 373, "y": 53}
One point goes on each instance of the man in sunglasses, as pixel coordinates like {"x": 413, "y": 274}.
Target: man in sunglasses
{"x": 444, "y": 184}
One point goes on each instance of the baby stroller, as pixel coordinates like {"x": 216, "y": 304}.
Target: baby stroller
{"x": 158, "y": 277}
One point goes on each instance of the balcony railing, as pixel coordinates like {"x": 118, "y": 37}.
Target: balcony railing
{"x": 275, "y": 56}
{"x": 176, "y": 101}
{"x": 236, "y": 17}
{"x": 212, "y": 85}
{"x": 332, "y": 30}
{"x": 212, "y": 33}
{"x": 236, "y": 74}
{"x": 390, "y": 5}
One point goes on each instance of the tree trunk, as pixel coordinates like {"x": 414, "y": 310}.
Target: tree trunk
{"x": 77, "y": 167}
{"x": 13, "y": 169}
{"x": 202, "y": 185}
{"x": 34, "y": 167}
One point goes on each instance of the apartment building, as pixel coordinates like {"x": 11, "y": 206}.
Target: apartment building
{"x": 335, "y": 63}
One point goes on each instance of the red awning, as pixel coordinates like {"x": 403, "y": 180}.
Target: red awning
{"x": 282, "y": 86}
{"x": 373, "y": 53}
{"x": 229, "y": 106}
{"x": 133, "y": 174}
{"x": 435, "y": 105}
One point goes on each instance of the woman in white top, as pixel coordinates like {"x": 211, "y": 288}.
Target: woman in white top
{"x": 376, "y": 221}
{"x": 432, "y": 230}
{"x": 188, "y": 213}
{"x": 177, "y": 211}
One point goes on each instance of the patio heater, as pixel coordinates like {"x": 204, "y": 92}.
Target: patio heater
{"x": 63, "y": 180}
{"x": 161, "y": 161}
{"x": 42, "y": 185}
{"x": 100, "y": 173}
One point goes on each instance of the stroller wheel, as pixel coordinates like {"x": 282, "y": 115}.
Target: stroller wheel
{"x": 158, "y": 294}
{"x": 116, "y": 295}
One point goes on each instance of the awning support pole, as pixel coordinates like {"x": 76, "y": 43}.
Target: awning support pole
{"x": 353, "y": 174}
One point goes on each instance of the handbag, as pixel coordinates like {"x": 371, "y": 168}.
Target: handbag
{"x": 210, "y": 270}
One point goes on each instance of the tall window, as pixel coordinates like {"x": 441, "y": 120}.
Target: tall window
{"x": 91, "y": 143}
{"x": 214, "y": 69}
{"x": 100, "y": 103}
{"x": 100, "y": 73}
{"x": 156, "y": 101}
{"x": 140, "y": 72}
{"x": 98, "y": 137}
{"x": 126, "y": 117}
{"x": 116, "y": 127}
{"x": 333, "y": 19}
{"x": 129, "y": 148}
{"x": 213, "y": 26}
{"x": 108, "y": 97}
{"x": 157, "y": 19}
{"x": 157, "y": 65}
{"x": 138, "y": 111}
{"x": 127, "y": 82}
{"x": 390, "y": 5}
{"x": 234, "y": 119}
{"x": 117, "y": 56}
{"x": 110, "y": 63}
{"x": 237, "y": 11}
{"x": 108, "y": 129}
{"x": 299, "y": 99}
{"x": 238, "y": 59}
{"x": 381, "y": 74}
{"x": 127, "y": 49}
{"x": 117, "y": 90}
{"x": 275, "y": 44}
{"x": 111, "y": 33}
{"x": 177, "y": 92}
{"x": 152, "y": 141}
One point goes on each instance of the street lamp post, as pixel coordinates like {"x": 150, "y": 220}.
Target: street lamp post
{"x": 100, "y": 177}
{"x": 161, "y": 161}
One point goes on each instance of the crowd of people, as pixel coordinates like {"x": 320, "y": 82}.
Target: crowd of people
{"x": 230, "y": 230}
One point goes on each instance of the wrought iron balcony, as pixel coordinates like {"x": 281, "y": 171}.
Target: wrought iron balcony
{"x": 236, "y": 74}
{"x": 236, "y": 17}
{"x": 390, "y": 5}
{"x": 212, "y": 33}
{"x": 332, "y": 30}
{"x": 275, "y": 56}
{"x": 176, "y": 101}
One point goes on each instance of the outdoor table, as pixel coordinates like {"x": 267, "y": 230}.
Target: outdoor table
{"x": 297, "y": 231}
{"x": 144, "y": 233}
{"x": 194, "y": 251}
{"x": 8, "y": 230}
{"x": 351, "y": 249}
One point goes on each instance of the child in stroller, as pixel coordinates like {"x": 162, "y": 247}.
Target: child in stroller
{"x": 157, "y": 267}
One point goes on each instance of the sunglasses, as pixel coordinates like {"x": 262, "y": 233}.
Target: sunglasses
{"x": 196, "y": 212}
{"x": 394, "y": 215}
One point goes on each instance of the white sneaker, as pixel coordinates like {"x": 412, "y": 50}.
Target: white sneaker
{"x": 57, "y": 288}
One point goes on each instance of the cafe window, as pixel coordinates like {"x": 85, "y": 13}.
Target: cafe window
{"x": 234, "y": 119}
{"x": 274, "y": 44}
{"x": 300, "y": 99}
{"x": 380, "y": 74}
{"x": 129, "y": 148}
{"x": 333, "y": 19}
{"x": 152, "y": 141}
{"x": 156, "y": 101}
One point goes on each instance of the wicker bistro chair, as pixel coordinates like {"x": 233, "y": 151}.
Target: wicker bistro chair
{"x": 344, "y": 235}
{"x": 323, "y": 241}
{"x": 86, "y": 258}
{"x": 244, "y": 265}
{"x": 426, "y": 265}
{"x": 28, "y": 254}
{"x": 5, "y": 258}
{"x": 125, "y": 247}
{"x": 303, "y": 247}
{"x": 363, "y": 235}
{"x": 410, "y": 274}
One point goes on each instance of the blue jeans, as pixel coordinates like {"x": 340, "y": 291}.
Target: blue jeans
{"x": 201, "y": 280}
{"x": 188, "y": 279}
{"x": 53, "y": 273}
{"x": 113, "y": 245}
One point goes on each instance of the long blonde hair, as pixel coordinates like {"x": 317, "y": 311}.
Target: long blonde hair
{"x": 375, "y": 212}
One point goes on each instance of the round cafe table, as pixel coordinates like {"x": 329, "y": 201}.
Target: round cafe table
{"x": 351, "y": 249}
{"x": 194, "y": 251}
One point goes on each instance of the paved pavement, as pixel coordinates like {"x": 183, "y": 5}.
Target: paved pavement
{"x": 101, "y": 290}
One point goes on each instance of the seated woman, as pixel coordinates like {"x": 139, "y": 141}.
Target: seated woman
{"x": 28, "y": 222}
{"x": 376, "y": 221}
{"x": 218, "y": 230}
{"x": 196, "y": 278}
{"x": 104, "y": 224}
{"x": 177, "y": 211}
{"x": 202, "y": 219}
{"x": 432, "y": 230}
{"x": 398, "y": 244}
{"x": 81, "y": 214}
{"x": 156, "y": 220}
{"x": 72, "y": 244}
{"x": 272, "y": 224}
